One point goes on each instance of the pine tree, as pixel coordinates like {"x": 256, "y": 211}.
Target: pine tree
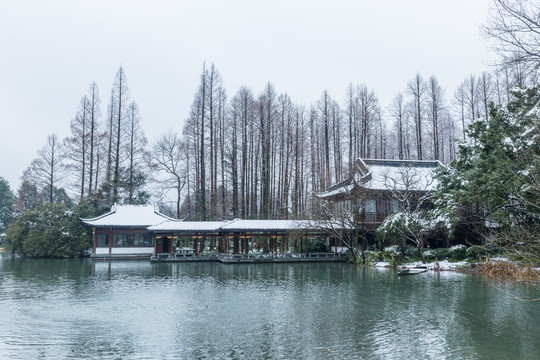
{"x": 495, "y": 174}
{"x": 7, "y": 200}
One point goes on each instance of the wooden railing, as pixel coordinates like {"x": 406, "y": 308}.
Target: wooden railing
{"x": 279, "y": 255}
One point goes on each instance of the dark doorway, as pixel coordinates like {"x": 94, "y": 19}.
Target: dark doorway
{"x": 166, "y": 242}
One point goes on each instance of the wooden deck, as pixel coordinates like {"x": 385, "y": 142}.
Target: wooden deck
{"x": 253, "y": 258}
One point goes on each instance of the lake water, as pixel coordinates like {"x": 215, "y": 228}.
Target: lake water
{"x": 54, "y": 309}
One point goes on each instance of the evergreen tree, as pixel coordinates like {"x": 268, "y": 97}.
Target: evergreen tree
{"x": 28, "y": 197}
{"x": 48, "y": 230}
{"x": 7, "y": 199}
{"x": 495, "y": 175}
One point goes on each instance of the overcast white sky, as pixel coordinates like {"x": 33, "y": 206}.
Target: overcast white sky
{"x": 50, "y": 51}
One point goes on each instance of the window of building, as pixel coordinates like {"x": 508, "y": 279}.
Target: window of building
{"x": 118, "y": 240}
{"x": 125, "y": 240}
{"x": 371, "y": 206}
{"x": 395, "y": 206}
{"x": 102, "y": 240}
{"x": 129, "y": 239}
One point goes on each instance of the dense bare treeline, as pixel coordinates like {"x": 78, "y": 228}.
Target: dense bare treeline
{"x": 105, "y": 158}
{"x": 256, "y": 155}
{"x": 263, "y": 156}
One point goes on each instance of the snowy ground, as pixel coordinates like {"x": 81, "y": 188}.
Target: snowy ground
{"x": 438, "y": 265}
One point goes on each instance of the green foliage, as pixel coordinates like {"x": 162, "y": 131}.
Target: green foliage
{"x": 494, "y": 173}
{"x": 475, "y": 252}
{"x": 50, "y": 230}
{"x": 372, "y": 257}
{"x": 394, "y": 255}
{"x": 398, "y": 228}
{"x": 411, "y": 252}
{"x": 28, "y": 196}
{"x": 317, "y": 244}
{"x": 441, "y": 253}
{"x": 429, "y": 254}
{"x": 60, "y": 196}
{"x": 457, "y": 252}
{"x": 7, "y": 199}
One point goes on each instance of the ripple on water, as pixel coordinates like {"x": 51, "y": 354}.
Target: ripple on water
{"x": 137, "y": 310}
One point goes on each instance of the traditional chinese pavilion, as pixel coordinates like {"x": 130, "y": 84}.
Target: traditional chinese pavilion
{"x": 377, "y": 186}
{"x": 124, "y": 231}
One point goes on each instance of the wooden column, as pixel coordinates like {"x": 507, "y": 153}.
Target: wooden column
{"x": 171, "y": 247}
{"x": 110, "y": 241}
{"x": 155, "y": 244}
{"x": 94, "y": 235}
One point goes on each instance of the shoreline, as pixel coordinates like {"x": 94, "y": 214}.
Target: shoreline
{"x": 501, "y": 268}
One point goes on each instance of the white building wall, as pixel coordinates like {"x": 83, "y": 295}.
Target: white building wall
{"x": 125, "y": 250}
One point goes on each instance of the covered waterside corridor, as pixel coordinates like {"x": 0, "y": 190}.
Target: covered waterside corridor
{"x": 241, "y": 241}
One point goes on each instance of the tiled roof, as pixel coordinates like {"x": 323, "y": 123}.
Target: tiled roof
{"x": 382, "y": 174}
{"x": 139, "y": 216}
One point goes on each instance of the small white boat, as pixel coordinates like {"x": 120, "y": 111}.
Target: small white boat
{"x": 412, "y": 271}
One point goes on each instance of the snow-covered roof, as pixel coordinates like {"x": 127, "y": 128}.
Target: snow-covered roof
{"x": 412, "y": 175}
{"x": 382, "y": 174}
{"x": 266, "y": 225}
{"x": 346, "y": 189}
{"x": 124, "y": 216}
{"x": 236, "y": 225}
{"x": 187, "y": 226}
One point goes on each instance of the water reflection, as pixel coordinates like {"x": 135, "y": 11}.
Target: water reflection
{"x": 134, "y": 309}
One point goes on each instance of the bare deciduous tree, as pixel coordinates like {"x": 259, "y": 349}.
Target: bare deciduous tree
{"x": 168, "y": 156}
{"x": 135, "y": 172}
{"x": 417, "y": 89}
{"x": 47, "y": 169}
{"x": 397, "y": 111}
{"x": 514, "y": 28}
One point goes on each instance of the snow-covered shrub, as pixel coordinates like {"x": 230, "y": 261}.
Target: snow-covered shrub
{"x": 442, "y": 253}
{"x": 429, "y": 254}
{"x": 411, "y": 252}
{"x": 374, "y": 256}
{"x": 457, "y": 252}
{"x": 475, "y": 252}
{"x": 392, "y": 254}
{"x": 393, "y": 250}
